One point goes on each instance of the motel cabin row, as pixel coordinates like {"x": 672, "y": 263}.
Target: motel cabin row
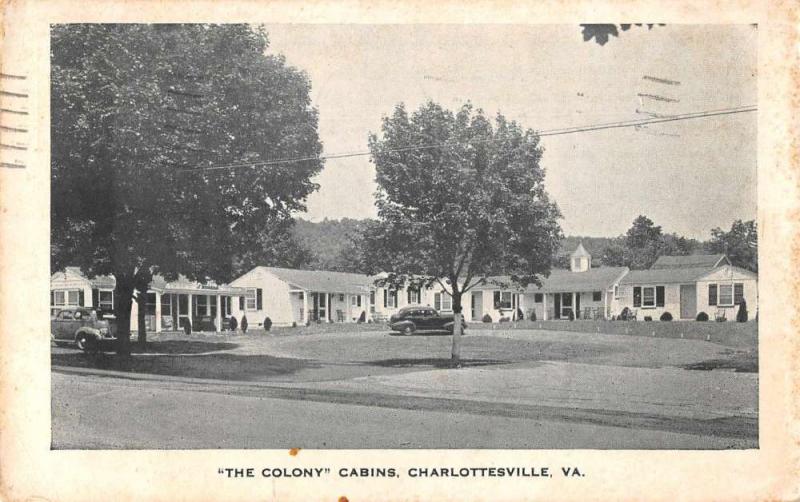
{"x": 680, "y": 285}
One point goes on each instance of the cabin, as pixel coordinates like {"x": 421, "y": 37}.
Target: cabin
{"x": 684, "y": 286}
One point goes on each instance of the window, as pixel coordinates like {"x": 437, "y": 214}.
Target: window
{"x": 166, "y": 305}
{"x": 738, "y": 293}
{"x": 105, "y": 300}
{"x": 73, "y": 297}
{"x": 616, "y": 291}
{"x": 597, "y": 296}
{"x": 442, "y": 302}
{"x": 648, "y": 296}
{"x": 300, "y": 296}
{"x": 59, "y": 298}
{"x": 712, "y": 294}
{"x": 250, "y": 299}
{"x": 341, "y": 297}
{"x": 355, "y": 300}
{"x": 201, "y": 307}
{"x": 150, "y": 304}
{"x": 537, "y": 297}
{"x": 65, "y": 315}
{"x": 391, "y": 298}
{"x": 372, "y": 301}
{"x": 412, "y": 295}
{"x": 725, "y": 295}
{"x": 506, "y": 300}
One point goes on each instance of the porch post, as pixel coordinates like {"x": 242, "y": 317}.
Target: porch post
{"x": 304, "y": 313}
{"x": 544, "y": 306}
{"x": 218, "y": 320}
{"x": 158, "y": 312}
{"x": 328, "y": 310}
{"x": 574, "y": 307}
{"x": 191, "y": 311}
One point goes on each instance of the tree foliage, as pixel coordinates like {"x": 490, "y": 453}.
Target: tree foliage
{"x": 740, "y": 243}
{"x": 470, "y": 205}
{"x": 600, "y": 33}
{"x": 136, "y": 109}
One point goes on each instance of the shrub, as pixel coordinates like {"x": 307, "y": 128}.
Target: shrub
{"x": 532, "y": 315}
{"x": 571, "y": 315}
{"x": 294, "y": 324}
{"x": 187, "y": 327}
{"x": 741, "y": 316}
{"x": 486, "y": 318}
{"x": 504, "y": 319}
{"x": 267, "y": 324}
{"x": 520, "y": 315}
{"x": 666, "y": 316}
{"x": 625, "y": 314}
{"x": 701, "y": 316}
{"x": 721, "y": 319}
{"x": 363, "y": 317}
{"x": 648, "y": 318}
{"x": 244, "y": 324}
{"x": 233, "y": 323}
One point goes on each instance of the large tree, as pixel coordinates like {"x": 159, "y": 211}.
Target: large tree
{"x": 740, "y": 243}
{"x": 139, "y": 113}
{"x": 459, "y": 200}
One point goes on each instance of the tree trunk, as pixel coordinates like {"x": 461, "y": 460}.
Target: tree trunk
{"x": 141, "y": 310}
{"x": 455, "y": 354}
{"x": 123, "y": 294}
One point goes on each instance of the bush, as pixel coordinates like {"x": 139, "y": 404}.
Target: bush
{"x": 532, "y": 315}
{"x": 187, "y": 327}
{"x": 722, "y": 319}
{"x": 701, "y": 316}
{"x": 267, "y": 324}
{"x": 571, "y": 315}
{"x": 625, "y": 314}
{"x": 294, "y": 324}
{"x": 504, "y": 319}
{"x": 233, "y": 324}
{"x": 486, "y": 318}
{"x": 520, "y": 315}
{"x": 363, "y": 317}
{"x": 666, "y": 316}
{"x": 648, "y": 318}
{"x": 244, "y": 324}
{"x": 741, "y": 316}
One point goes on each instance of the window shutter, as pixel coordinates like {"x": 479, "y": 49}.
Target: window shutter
{"x": 52, "y": 298}
{"x": 497, "y": 299}
{"x": 385, "y": 298}
{"x": 712, "y": 294}
{"x": 258, "y": 299}
{"x": 738, "y": 293}
{"x": 95, "y": 298}
{"x": 637, "y": 296}
{"x": 81, "y": 298}
{"x": 241, "y": 303}
{"x": 659, "y": 296}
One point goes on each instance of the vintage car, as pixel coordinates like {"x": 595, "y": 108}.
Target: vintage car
{"x": 80, "y": 326}
{"x": 421, "y": 318}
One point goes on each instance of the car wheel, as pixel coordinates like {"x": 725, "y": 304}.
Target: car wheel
{"x": 409, "y": 329}
{"x": 82, "y": 342}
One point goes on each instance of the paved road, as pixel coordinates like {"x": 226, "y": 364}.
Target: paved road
{"x": 92, "y": 411}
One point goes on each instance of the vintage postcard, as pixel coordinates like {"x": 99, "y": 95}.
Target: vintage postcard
{"x": 392, "y": 251}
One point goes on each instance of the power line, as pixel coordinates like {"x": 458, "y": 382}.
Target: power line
{"x": 549, "y": 132}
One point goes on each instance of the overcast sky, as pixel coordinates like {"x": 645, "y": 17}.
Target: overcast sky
{"x": 688, "y": 176}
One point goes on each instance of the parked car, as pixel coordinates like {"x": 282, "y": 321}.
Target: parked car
{"x": 421, "y": 318}
{"x": 80, "y": 326}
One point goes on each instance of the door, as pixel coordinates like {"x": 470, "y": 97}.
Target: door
{"x": 476, "y": 310}
{"x": 688, "y": 301}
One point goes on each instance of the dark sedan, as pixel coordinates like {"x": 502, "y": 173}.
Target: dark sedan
{"x": 413, "y": 318}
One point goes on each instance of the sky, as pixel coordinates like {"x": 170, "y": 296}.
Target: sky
{"x": 687, "y": 176}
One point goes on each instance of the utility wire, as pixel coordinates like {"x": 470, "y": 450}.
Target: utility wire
{"x": 549, "y": 132}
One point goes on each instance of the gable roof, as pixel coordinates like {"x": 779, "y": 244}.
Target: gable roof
{"x": 580, "y": 251}
{"x": 665, "y": 275}
{"x": 562, "y": 280}
{"x": 100, "y": 281}
{"x": 690, "y": 261}
{"x": 322, "y": 281}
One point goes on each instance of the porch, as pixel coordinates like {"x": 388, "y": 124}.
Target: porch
{"x": 586, "y": 305}
{"x": 175, "y": 309}
{"x": 330, "y": 306}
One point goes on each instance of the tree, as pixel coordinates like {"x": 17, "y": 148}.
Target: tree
{"x": 137, "y": 111}
{"x": 601, "y": 32}
{"x": 643, "y": 243}
{"x": 740, "y": 244}
{"x": 469, "y": 205}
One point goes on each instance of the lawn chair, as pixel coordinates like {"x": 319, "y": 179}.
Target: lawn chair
{"x": 721, "y": 315}
{"x": 587, "y": 313}
{"x": 339, "y": 316}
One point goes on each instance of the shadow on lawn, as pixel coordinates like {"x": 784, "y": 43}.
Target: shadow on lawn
{"x": 212, "y": 366}
{"x": 433, "y": 362}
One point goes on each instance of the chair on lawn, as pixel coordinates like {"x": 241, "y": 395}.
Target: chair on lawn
{"x": 587, "y": 313}
{"x": 339, "y": 316}
{"x": 721, "y": 315}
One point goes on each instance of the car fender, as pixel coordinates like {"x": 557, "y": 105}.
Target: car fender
{"x": 400, "y": 325}
{"x": 85, "y": 330}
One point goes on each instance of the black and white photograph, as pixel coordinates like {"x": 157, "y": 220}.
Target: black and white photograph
{"x": 418, "y": 236}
